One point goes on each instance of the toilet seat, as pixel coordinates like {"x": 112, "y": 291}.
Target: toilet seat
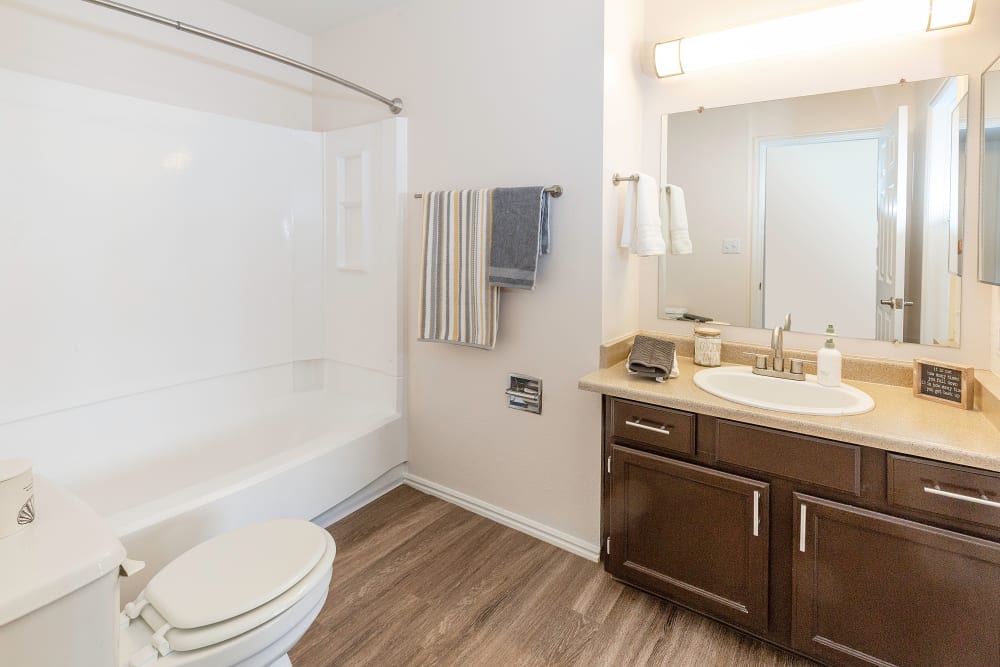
{"x": 259, "y": 647}
{"x": 235, "y": 572}
{"x": 231, "y": 585}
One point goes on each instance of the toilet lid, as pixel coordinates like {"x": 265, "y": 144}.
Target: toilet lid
{"x": 235, "y": 572}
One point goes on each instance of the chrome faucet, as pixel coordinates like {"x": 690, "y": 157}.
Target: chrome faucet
{"x": 778, "y": 349}
{"x": 792, "y": 370}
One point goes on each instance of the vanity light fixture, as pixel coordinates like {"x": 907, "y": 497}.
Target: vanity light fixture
{"x": 841, "y": 24}
{"x": 950, "y": 13}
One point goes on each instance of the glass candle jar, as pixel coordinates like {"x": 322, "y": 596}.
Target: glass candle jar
{"x": 707, "y": 346}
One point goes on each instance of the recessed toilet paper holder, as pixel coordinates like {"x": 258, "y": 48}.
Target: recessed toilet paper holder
{"x": 524, "y": 392}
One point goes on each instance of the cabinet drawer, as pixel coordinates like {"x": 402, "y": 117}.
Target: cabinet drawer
{"x": 660, "y": 428}
{"x": 942, "y": 488}
{"x": 834, "y": 465}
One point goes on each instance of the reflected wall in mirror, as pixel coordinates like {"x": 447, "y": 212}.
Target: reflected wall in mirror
{"x": 841, "y": 208}
{"x": 989, "y": 192}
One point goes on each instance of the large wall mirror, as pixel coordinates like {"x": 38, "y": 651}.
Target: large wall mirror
{"x": 989, "y": 241}
{"x": 843, "y": 208}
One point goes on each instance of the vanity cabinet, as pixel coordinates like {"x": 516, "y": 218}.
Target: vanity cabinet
{"x": 846, "y": 554}
{"x": 870, "y": 588}
{"x": 690, "y": 533}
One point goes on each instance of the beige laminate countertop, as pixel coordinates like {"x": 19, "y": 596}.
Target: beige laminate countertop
{"x": 900, "y": 422}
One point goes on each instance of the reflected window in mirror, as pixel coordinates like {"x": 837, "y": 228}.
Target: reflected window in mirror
{"x": 841, "y": 208}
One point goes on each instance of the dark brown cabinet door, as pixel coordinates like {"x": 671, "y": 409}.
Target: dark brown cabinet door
{"x": 871, "y": 589}
{"x": 691, "y": 534}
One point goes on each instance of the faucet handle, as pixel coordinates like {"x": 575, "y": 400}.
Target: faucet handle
{"x": 759, "y": 360}
{"x": 795, "y": 365}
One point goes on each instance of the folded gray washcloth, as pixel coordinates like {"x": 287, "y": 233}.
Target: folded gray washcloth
{"x": 520, "y": 234}
{"x": 652, "y": 357}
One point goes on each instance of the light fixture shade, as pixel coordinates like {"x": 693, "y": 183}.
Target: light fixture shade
{"x": 855, "y": 21}
{"x": 667, "y": 58}
{"x": 950, "y": 13}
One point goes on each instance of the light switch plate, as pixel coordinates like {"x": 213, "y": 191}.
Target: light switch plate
{"x": 731, "y": 247}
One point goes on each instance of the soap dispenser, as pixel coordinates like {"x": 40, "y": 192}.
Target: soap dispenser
{"x": 828, "y": 362}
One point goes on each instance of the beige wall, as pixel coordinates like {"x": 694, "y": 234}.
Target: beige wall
{"x": 498, "y": 94}
{"x": 967, "y": 50}
{"x": 73, "y": 41}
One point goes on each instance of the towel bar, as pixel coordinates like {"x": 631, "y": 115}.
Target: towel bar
{"x": 554, "y": 190}
{"x": 618, "y": 178}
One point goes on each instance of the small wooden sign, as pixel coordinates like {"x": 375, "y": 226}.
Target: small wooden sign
{"x": 944, "y": 383}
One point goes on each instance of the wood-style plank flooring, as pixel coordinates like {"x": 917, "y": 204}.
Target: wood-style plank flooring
{"x": 418, "y": 581}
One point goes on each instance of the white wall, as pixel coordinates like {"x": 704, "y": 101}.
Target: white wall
{"x": 966, "y": 50}
{"x": 623, "y": 26}
{"x": 498, "y": 94}
{"x": 145, "y": 245}
{"x": 74, "y": 41}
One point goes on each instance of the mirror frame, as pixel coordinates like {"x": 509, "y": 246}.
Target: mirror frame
{"x": 980, "y": 272}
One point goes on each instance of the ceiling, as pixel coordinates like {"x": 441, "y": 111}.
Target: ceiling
{"x": 312, "y": 17}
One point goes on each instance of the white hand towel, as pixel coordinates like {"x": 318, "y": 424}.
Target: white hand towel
{"x": 675, "y": 213}
{"x": 642, "y": 231}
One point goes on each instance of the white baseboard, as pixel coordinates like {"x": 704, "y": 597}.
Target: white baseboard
{"x": 510, "y": 519}
{"x": 382, "y": 485}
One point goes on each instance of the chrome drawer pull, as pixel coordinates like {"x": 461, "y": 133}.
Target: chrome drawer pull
{"x": 938, "y": 491}
{"x": 661, "y": 429}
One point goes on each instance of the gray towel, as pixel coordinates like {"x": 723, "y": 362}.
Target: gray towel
{"x": 520, "y": 234}
{"x": 651, "y": 357}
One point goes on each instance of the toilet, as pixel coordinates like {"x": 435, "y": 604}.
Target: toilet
{"x": 241, "y": 599}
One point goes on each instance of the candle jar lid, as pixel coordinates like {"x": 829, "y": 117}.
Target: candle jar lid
{"x": 707, "y": 332}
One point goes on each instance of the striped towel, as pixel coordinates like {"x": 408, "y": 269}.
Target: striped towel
{"x": 457, "y": 304}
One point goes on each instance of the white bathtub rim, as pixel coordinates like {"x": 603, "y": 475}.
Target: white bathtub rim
{"x": 192, "y": 497}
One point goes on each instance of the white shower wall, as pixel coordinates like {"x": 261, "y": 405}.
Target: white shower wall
{"x": 144, "y": 245}
{"x": 166, "y": 272}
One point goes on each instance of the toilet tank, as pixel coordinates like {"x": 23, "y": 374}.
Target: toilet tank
{"x": 59, "y": 586}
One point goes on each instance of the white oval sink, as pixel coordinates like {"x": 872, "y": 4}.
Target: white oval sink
{"x": 804, "y": 397}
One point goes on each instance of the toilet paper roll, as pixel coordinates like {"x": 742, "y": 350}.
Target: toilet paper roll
{"x": 17, "y": 500}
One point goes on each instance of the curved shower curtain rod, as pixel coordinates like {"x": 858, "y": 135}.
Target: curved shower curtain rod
{"x": 395, "y": 105}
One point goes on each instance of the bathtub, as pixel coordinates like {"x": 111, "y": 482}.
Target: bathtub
{"x": 173, "y": 467}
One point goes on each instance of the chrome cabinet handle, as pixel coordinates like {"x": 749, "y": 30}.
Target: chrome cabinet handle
{"x": 661, "y": 429}
{"x": 896, "y": 303}
{"x": 756, "y": 513}
{"x": 938, "y": 491}
{"x": 802, "y": 528}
